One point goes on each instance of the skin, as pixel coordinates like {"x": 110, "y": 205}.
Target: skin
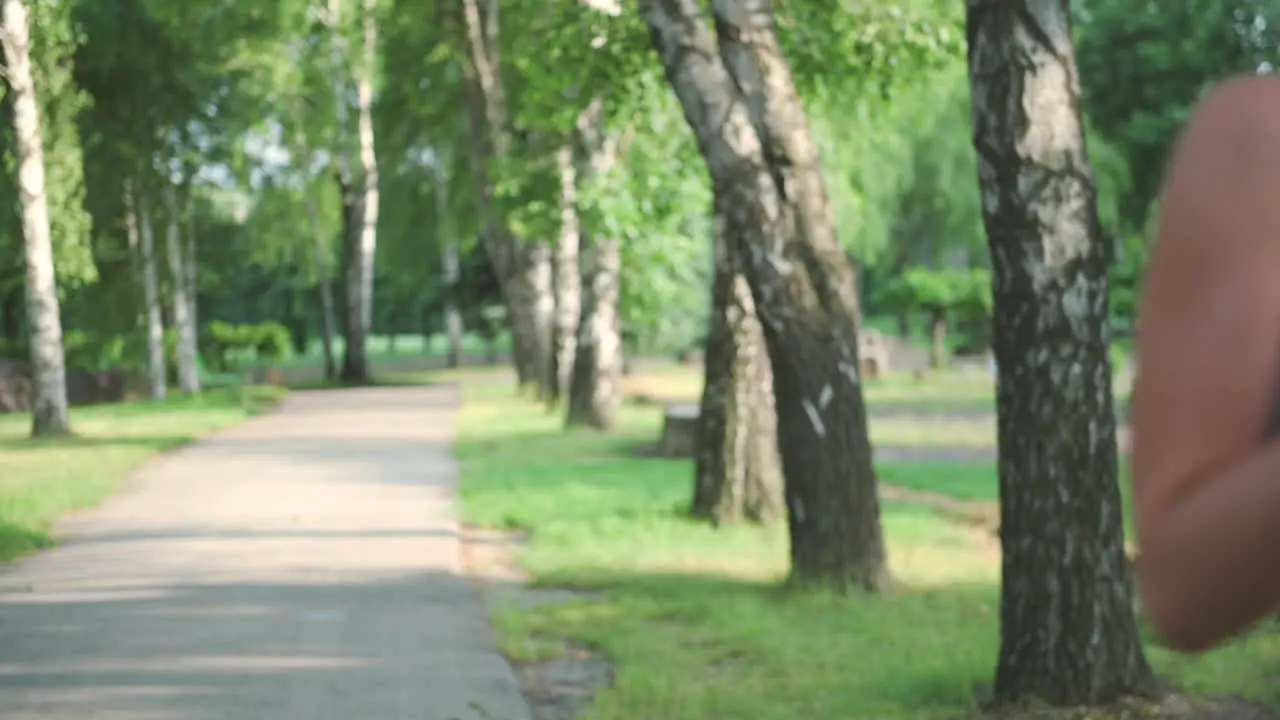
{"x": 1206, "y": 481}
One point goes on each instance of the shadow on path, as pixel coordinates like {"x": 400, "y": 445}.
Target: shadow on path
{"x": 303, "y": 566}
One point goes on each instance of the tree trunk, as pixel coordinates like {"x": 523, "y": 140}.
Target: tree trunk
{"x": 191, "y": 268}
{"x": 328, "y": 325}
{"x": 453, "y": 324}
{"x": 157, "y": 371}
{"x": 354, "y": 360}
{"x": 937, "y": 338}
{"x": 450, "y": 263}
{"x": 183, "y": 322}
{"x": 363, "y": 239}
{"x": 738, "y": 471}
{"x": 764, "y": 166}
{"x": 523, "y": 269}
{"x": 1068, "y": 634}
{"x": 49, "y": 415}
{"x": 568, "y": 280}
{"x": 594, "y": 391}
{"x": 530, "y": 312}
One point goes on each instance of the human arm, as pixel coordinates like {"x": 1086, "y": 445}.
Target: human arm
{"x": 1206, "y": 483}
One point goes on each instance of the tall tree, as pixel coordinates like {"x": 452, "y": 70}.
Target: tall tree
{"x": 358, "y": 180}
{"x": 361, "y": 256}
{"x": 737, "y": 469}
{"x": 523, "y": 265}
{"x": 568, "y": 280}
{"x": 450, "y": 258}
{"x": 184, "y": 320}
{"x": 49, "y": 414}
{"x": 141, "y": 218}
{"x": 764, "y": 166}
{"x": 1068, "y": 634}
{"x": 594, "y": 393}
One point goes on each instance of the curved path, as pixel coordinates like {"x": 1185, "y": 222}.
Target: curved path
{"x": 302, "y": 566}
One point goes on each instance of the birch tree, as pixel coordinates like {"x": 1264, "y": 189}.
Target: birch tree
{"x": 450, "y": 258}
{"x": 523, "y": 265}
{"x": 141, "y": 222}
{"x": 568, "y": 279}
{"x": 759, "y": 150}
{"x": 1068, "y": 634}
{"x": 49, "y": 414}
{"x": 184, "y": 320}
{"x": 594, "y": 392}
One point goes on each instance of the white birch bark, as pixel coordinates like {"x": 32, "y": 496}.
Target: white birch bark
{"x": 568, "y": 279}
{"x": 183, "y": 320}
{"x": 156, "y": 371}
{"x": 191, "y": 272}
{"x": 49, "y": 415}
{"x": 362, "y": 300}
{"x": 450, "y": 270}
{"x": 594, "y": 387}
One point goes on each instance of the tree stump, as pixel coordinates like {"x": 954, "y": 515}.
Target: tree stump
{"x": 679, "y": 431}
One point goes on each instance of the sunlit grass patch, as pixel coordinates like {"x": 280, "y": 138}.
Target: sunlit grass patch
{"x": 694, "y": 619}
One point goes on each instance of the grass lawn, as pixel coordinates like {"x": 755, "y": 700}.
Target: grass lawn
{"x": 955, "y": 393}
{"x": 41, "y": 480}
{"x": 691, "y": 617}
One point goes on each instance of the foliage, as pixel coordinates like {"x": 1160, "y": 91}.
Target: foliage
{"x": 942, "y": 291}
{"x": 226, "y": 345}
{"x": 850, "y": 47}
{"x": 59, "y": 101}
{"x": 1126, "y": 271}
{"x": 657, "y": 202}
{"x": 93, "y": 351}
{"x": 1143, "y": 66}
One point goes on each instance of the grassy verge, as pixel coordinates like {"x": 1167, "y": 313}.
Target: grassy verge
{"x": 974, "y": 482}
{"x": 41, "y": 480}
{"x": 691, "y": 617}
{"x": 942, "y": 393}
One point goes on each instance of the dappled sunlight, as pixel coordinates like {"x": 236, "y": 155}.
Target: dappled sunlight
{"x": 674, "y": 383}
{"x": 927, "y": 550}
{"x": 930, "y": 566}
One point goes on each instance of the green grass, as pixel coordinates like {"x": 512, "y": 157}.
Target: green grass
{"x": 40, "y": 480}
{"x": 692, "y": 618}
{"x": 939, "y": 393}
{"x": 976, "y": 482}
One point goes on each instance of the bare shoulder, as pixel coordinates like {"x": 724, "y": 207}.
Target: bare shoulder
{"x": 1209, "y": 317}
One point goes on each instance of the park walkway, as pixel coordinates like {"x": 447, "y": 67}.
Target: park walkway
{"x": 300, "y": 567}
